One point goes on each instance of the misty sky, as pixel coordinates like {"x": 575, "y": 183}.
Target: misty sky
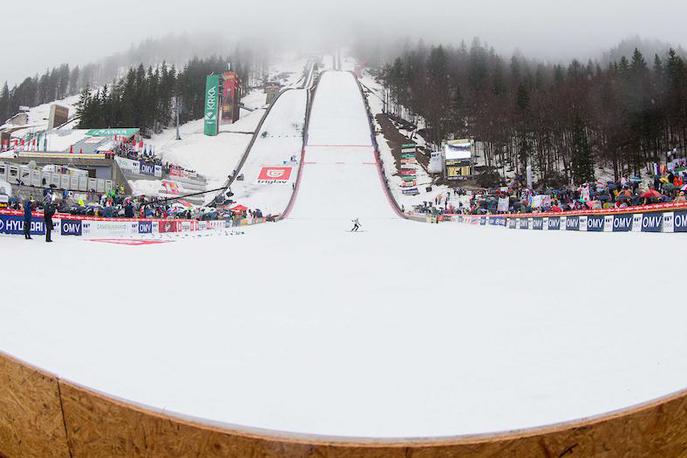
{"x": 44, "y": 33}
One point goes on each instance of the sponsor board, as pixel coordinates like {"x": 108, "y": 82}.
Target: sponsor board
{"x": 667, "y": 222}
{"x": 595, "y": 223}
{"x": 147, "y": 168}
{"x": 109, "y": 228}
{"x": 71, "y": 227}
{"x": 269, "y": 175}
{"x": 680, "y": 221}
{"x": 623, "y": 223}
{"x": 14, "y": 225}
{"x": 572, "y": 223}
{"x": 538, "y": 224}
{"x": 652, "y": 222}
{"x": 554, "y": 224}
{"x": 166, "y": 227}
{"x": 145, "y": 227}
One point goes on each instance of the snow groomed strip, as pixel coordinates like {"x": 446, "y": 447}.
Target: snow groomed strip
{"x": 43, "y": 415}
{"x": 665, "y": 218}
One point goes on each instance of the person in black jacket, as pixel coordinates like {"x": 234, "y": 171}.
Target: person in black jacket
{"x": 48, "y": 212}
{"x": 28, "y": 207}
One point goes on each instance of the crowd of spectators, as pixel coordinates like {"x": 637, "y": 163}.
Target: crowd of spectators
{"x": 668, "y": 184}
{"x": 137, "y": 152}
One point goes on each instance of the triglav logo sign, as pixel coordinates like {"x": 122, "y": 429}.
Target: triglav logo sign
{"x": 274, "y": 175}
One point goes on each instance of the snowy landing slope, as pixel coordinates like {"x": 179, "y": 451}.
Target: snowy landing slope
{"x": 315, "y": 330}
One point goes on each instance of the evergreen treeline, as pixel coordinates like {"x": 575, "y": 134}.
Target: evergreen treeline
{"x": 563, "y": 120}
{"x": 54, "y": 84}
{"x": 143, "y": 98}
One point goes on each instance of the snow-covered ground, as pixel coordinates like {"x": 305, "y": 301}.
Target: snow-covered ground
{"x": 423, "y": 178}
{"x": 280, "y": 139}
{"x": 314, "y": 329}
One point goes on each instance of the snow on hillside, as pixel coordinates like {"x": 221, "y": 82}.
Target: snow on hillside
{"x": 280, "y": 139}
{"x": 423, "y": 178}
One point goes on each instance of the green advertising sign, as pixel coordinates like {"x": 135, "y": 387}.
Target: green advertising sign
{"x": 212, "y": 105}
{"x": 112, "y": 132}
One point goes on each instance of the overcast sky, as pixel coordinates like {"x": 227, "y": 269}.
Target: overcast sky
{"x": 42, "y": 33}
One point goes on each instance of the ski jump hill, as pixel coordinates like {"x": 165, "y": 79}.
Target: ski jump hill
{"x": 315, "y": 342}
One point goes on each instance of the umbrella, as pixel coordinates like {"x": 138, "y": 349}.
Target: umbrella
{"x": 239, "y": 209}
{"x": 651, "y": 194}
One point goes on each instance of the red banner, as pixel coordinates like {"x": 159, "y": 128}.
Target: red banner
{"x": 274, "y": 175}
{"x": 169, "y": 226}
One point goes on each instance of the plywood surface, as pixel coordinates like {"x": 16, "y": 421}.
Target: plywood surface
{"x": 41, "y": 416}
{"x": 31, "y": 422}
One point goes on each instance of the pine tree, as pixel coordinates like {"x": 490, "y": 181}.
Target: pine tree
{"x": 582, "y": 161}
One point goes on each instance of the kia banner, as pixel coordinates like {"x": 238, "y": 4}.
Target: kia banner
{"x": 269, "y": 175}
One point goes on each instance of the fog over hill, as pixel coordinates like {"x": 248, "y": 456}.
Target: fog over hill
{"x": 45, "y": 33}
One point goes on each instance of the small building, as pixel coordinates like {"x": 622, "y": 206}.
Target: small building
{"x": 458, "y": 159}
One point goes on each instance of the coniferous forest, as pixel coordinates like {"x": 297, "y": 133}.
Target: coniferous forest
{"x": 565, "y": 121}
{"x": 144, "y": 97}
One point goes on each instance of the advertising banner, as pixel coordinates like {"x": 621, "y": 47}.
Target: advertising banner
{"x": 269, "y": 175}
{"x": 538, "y": 224}
{"x": 554, "y": 224}
{"x": 212, "y": 105}
{"x": 146, "y": 168}
{"x": 595, "y": 223}
{"x": 572, "y": 223}
{"x": 230, "y": 98}
{"x": 145, "y": 227}
{"x": 108, "y": 228}
{"x": 71, "y": 227}
{"x": 652, "y": 222}
{"x": 14, "y": 225}
{"x": 128, "y": 166}
{"x": 112, "y": 132}
{"x": 168, "y": 227}
{"x": 622, "y": 223}
{"x": 680, "y": 221}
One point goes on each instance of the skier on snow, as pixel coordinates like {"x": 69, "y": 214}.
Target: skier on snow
{"x": 356, "y": 225}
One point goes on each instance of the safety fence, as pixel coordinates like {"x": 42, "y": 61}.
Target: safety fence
{"x": 663, "y": 218}
{"x": 12, "y": 223}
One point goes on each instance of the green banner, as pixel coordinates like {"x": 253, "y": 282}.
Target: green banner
{"x": 112, "y": 132}
{"x": 408, "y": 156}
{"x": 212, "y": 105}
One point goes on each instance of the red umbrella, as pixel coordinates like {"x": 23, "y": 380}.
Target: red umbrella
{"x": 651, "y": 194}
{"x": 239, "y": 209}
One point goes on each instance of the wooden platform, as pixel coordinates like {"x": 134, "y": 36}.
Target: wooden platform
{"x": 43, "y": 416}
